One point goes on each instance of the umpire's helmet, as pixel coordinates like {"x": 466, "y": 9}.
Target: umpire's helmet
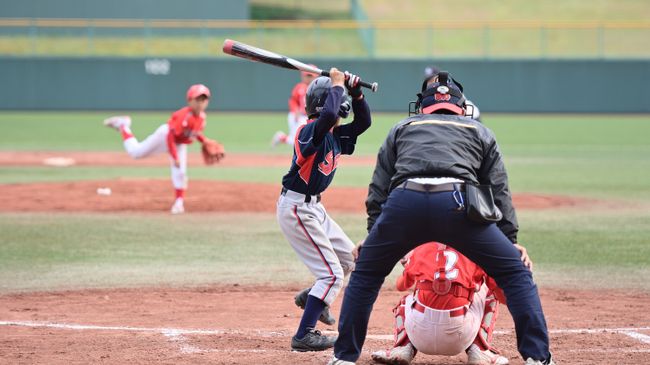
{"x": 444, "y": 96}
{"x": 317, "y": 93}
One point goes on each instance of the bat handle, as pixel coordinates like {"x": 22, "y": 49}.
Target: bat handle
{"x": 372, "y": 86}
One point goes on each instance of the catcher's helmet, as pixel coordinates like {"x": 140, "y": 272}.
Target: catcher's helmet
{"x": 444, "y": 96}
{"x": 317, "y": 92}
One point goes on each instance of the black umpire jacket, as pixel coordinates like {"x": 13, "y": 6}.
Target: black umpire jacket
{"x": 436, "y": 145}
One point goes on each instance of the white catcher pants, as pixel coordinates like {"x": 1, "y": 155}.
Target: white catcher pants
{"x": 157, "y": 143}
{"x": 318, "y": 241}
{"x": 434, "y": 332}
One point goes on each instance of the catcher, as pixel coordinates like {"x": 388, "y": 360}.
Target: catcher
{"x": 185, "y": 125}
{"x": 453, "y": 308}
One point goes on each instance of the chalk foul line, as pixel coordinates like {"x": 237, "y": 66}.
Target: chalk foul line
{"x": 178, "y": 335}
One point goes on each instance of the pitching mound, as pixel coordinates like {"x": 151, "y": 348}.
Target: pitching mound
{"x": 145, "y": 195}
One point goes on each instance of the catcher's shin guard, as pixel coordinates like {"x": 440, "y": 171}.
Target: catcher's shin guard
{"x": 484, "y": 336}
{"x": 401, "y": 338}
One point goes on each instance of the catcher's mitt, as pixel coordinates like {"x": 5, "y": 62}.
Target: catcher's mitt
{"x": 212, "y": 151}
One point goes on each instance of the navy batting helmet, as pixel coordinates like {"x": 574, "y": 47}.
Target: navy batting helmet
{"x": 445, "y": 96}
{"x": 317, "y": 93}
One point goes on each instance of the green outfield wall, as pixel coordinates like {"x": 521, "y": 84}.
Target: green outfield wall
{"x": 585, "y": 86}
{"x": 125, "y": 9}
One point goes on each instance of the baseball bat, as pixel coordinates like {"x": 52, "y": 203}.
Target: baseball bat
{"x": 243, "y": 50}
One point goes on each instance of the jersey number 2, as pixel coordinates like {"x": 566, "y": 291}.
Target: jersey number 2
{"x": 451, "y": 258}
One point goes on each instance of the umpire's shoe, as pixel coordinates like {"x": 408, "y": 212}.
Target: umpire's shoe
{"x": 312, "y": 341}
{"x": 301, "y": 299}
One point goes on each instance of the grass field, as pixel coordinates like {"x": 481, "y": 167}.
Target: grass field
{"x": 606, "y": 158}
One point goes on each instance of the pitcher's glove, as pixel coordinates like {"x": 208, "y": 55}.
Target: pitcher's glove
{"x": 212, "y": 151}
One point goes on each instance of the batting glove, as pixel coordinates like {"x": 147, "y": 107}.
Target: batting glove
{"x": 352, "y": 84}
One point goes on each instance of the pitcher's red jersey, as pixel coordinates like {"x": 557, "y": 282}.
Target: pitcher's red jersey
{"x": 185, "y": 126}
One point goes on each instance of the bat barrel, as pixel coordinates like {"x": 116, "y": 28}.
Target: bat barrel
{"x": 242, "y": 50}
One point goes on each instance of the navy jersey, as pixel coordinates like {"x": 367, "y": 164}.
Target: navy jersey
{"x": 319, "y": 145}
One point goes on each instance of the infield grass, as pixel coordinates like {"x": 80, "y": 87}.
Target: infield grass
{"x": 72, "y": 251}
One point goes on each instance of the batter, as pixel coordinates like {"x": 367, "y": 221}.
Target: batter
{"x": 317, "y": 240}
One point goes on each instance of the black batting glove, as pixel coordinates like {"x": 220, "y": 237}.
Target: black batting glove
{"x": 352, "y": 85}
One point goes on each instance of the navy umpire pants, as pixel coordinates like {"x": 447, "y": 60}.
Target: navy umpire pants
{"x": 410, "y": 218}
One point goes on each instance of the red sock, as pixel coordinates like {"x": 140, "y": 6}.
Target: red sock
{"x": 180, "y": 193}
{"x": 126, "y": 133}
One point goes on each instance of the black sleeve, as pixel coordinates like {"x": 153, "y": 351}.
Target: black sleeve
{"x": 329, "y": 114}
{"x": 361, "y": 121}
{"x": 380, "y": 185}
{"x": 493, "y": 172}
{"x": 348, "y": 133}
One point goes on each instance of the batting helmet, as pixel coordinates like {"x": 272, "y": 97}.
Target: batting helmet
{"x": 197, "y": 90}
{"x": 444, "y": 96}
{"x": 317, "y": 94}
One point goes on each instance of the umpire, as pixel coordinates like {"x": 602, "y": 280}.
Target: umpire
{"x": 426, "y": 171}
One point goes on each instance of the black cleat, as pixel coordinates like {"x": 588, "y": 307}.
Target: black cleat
{"x": 301, "y": 300}
{"x": 312, "y": 341}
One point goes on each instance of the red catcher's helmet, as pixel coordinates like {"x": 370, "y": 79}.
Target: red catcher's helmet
{"x": 197, "y": 90}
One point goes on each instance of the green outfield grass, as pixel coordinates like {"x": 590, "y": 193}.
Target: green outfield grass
{"x": 70, "y": 251}
{"x": 604, "y": 157}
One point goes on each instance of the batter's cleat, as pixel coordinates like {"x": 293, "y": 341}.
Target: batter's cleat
{"x": 178, "y": 207}
{"x": 278, "y": 137}
{"x": 401, "y": 355}
{"x": 301, "y": 299}
{"x": 118, "y": 122}
{"x": 476, "y": 356}
{"x": 335, "y": 361}
{"x": 312, "y": 341}
{"x": 538, "y": 362}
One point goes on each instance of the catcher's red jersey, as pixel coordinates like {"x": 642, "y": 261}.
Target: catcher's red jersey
{"x": 426, "y": 262}
{"x": 297, "y": 101}
{"x": 184, "y": 126}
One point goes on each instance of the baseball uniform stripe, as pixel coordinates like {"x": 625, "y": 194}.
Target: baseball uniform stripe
{"x": 329, "y": 268}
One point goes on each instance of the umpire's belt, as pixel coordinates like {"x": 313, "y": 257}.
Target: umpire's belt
{"x": 456, "y": 289}
{"x": 297, "y": 196}
{"x": 431, "y": 188}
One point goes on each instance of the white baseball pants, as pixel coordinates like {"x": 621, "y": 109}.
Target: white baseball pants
{"x": 157, "y": 143}
{"x": 435, "y": 332}
{"x": 318, "y": 241}
{"x": 294, "y": 120}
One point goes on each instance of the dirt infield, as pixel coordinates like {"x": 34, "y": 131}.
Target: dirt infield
{"x": 148, "y": 195}
{"x": 253, "y": 325}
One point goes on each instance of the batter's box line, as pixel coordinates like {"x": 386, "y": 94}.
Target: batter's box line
{"x": 175, "y": 333}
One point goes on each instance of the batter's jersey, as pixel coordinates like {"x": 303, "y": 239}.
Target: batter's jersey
{"x": 297, "y": 101}
{"x": 427, "y": 261}
{"x": 184, "y": 126}
{"x": 314, "y": 164}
